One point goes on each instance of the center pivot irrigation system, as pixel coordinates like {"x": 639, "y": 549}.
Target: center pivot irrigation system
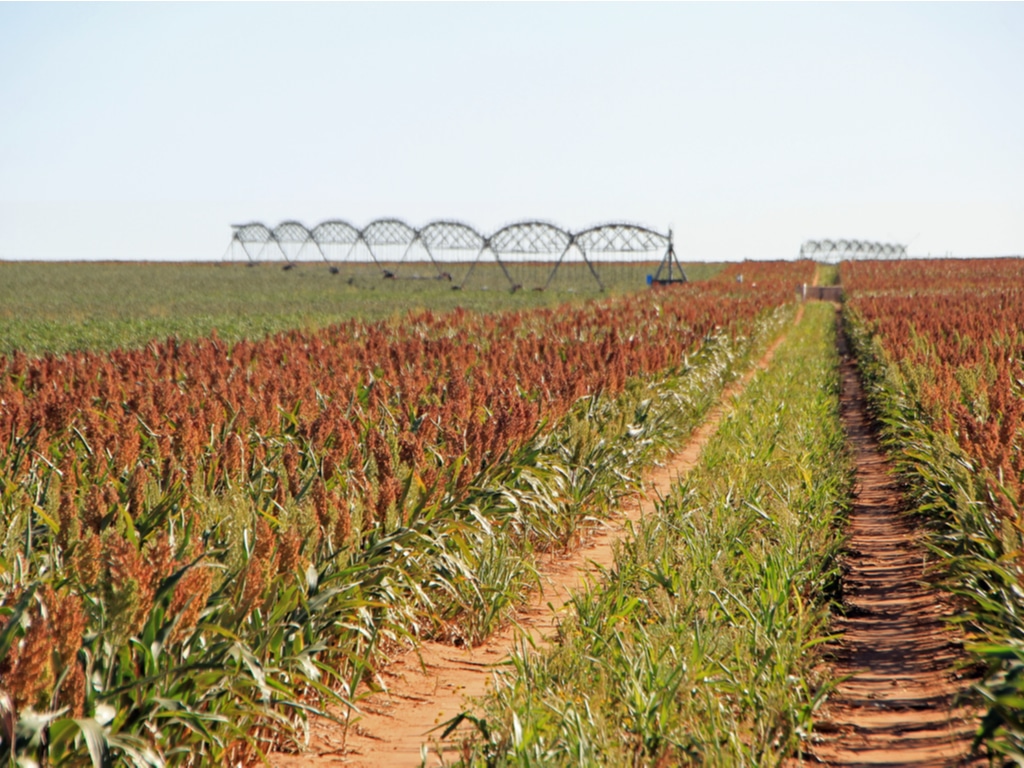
{"x": 527, "y": 255}
{"x": 848, "y": 250}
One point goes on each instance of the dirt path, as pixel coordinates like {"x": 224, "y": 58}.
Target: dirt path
{"x": 430, "y": 687}
{"x": 897, "y": 705}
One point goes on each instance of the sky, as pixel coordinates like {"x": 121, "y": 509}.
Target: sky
{"x": 144, "y": 130}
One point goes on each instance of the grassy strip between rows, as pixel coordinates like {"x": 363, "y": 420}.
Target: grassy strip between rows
{"x": 235, "y": 686}
{"x": 982, "y": 553}
{"x": 700, "y": 645}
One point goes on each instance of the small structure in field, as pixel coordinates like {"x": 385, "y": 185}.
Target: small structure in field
{"x": 820, "y": 292}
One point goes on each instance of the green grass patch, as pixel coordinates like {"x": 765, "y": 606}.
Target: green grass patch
{"x": 65, "y": 306}
{"x": 828, "y": 274}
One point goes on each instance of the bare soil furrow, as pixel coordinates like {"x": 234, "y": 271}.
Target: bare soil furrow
{"x": 898, "y": 657}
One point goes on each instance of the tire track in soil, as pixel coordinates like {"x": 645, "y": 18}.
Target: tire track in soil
{"x": 430, "y": 685}
{"x": 898, "y": 705}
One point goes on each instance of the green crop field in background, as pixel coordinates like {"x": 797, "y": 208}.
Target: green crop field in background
{"x": 63, "y": 306}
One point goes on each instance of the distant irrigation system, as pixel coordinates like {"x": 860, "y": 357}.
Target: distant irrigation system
{"x": 832, "y": 251}
{"x": 531, "y": 255}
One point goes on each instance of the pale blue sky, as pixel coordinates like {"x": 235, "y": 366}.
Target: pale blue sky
{"x": 141, "y": 131}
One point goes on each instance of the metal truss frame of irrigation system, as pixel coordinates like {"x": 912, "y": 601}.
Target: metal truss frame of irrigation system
{"x": 399, "y": 250}
{"x": 849, "y": 250}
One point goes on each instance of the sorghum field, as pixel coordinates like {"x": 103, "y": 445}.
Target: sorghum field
{"x": 204, "y": 541}
{"x": 211, "y": 540}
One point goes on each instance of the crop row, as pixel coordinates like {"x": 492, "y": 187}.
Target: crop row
{"x": 943, "y": 357}
{"x": 699, "y": 646}
{"x": 926, "y": 276}
{"x": 960, "y": 353}
{"x": 221, "y": 536}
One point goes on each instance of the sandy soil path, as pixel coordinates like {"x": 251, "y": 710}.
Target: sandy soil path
{"x": 898, "y": 705}
{"x": 431, "y": 686}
